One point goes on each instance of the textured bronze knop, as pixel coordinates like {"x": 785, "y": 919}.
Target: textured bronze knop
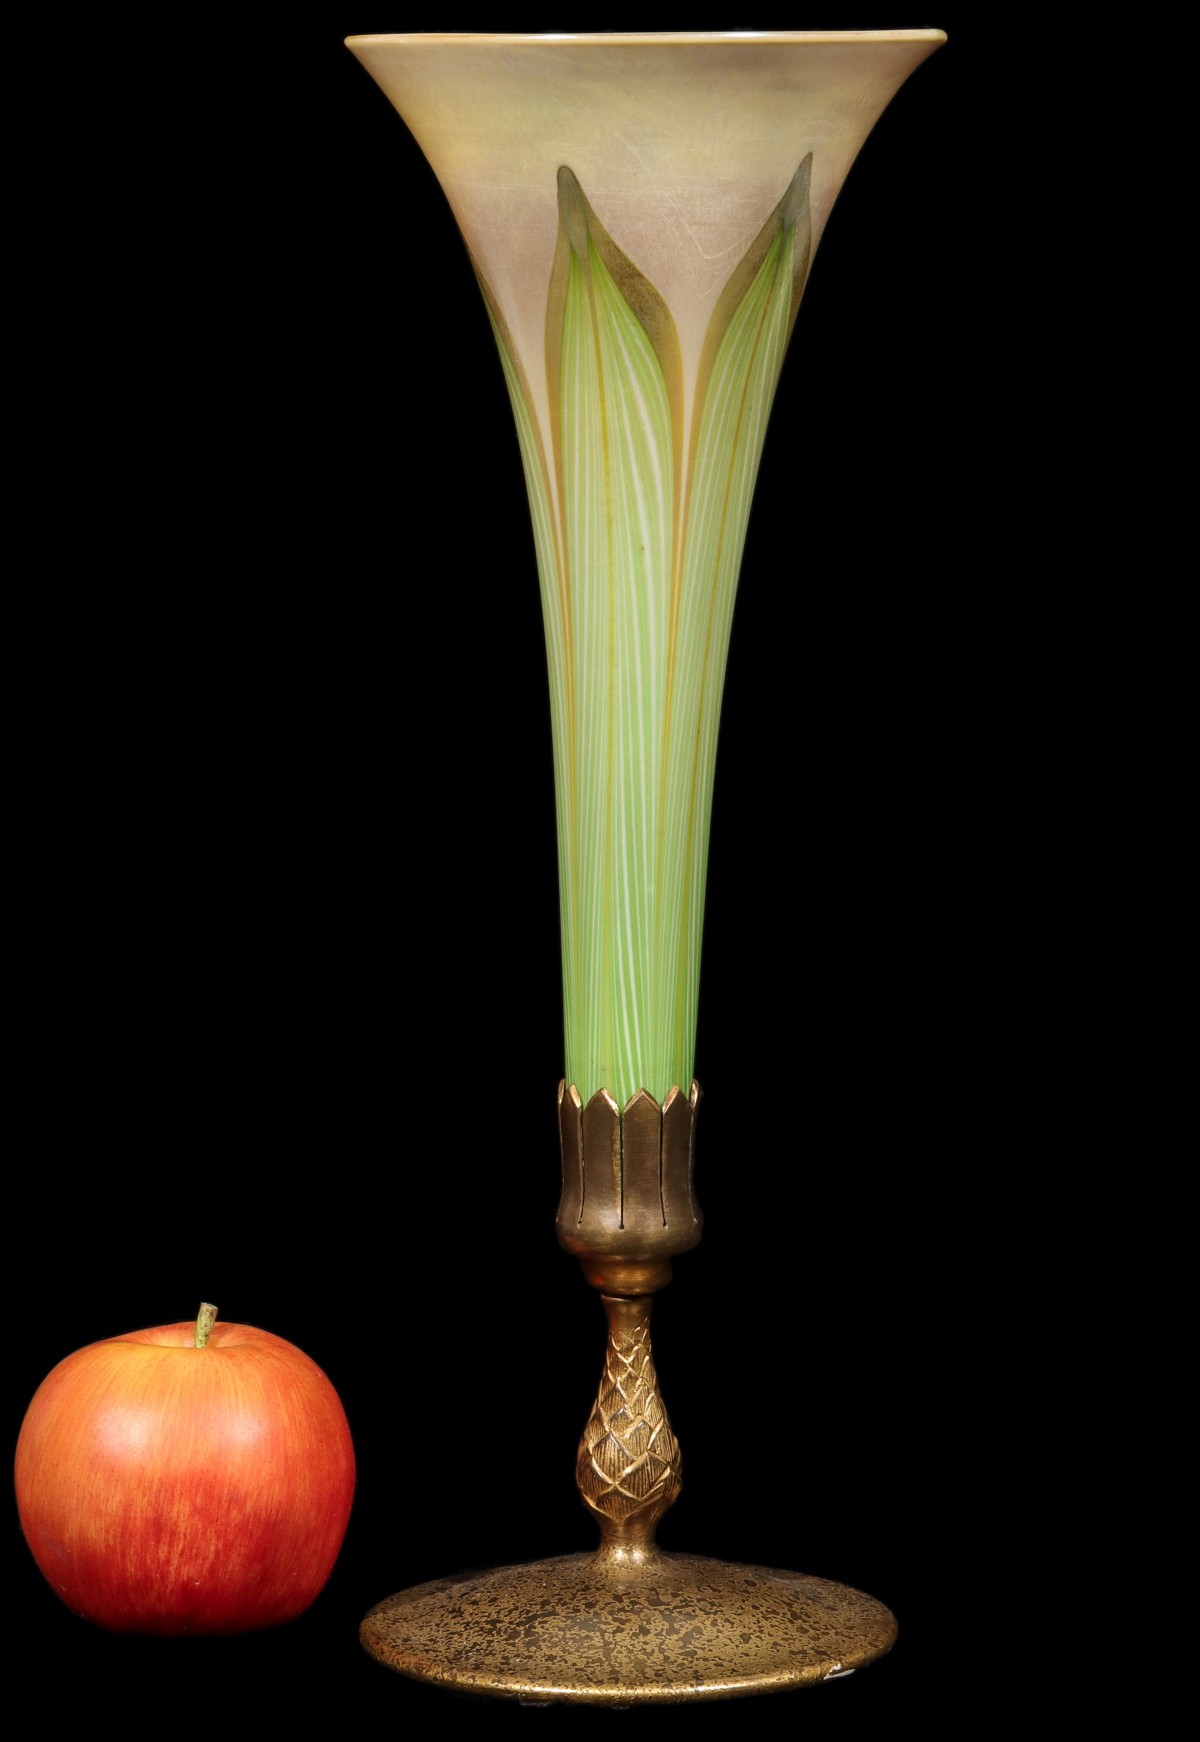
{"x": 628, "y": 1464}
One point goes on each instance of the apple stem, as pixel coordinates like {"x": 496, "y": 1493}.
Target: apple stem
{"x": 206, "y": 1318}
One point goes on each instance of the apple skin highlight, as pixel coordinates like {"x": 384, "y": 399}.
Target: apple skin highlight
{"x": 169, "y": 1489}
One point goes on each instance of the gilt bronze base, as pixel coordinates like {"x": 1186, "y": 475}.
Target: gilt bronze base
{"x": 593, "y": 1631}
{"x": 629, "y": 1624}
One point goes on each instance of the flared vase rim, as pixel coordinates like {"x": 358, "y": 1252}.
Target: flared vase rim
{"x": 651, "y": 38}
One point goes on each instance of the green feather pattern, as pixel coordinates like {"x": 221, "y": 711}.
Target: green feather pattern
{"x": 639, "y": 526}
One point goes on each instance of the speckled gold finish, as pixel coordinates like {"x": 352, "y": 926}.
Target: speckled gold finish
{"x": 596, "y": 1630}
{"x": 628, "y": 1625}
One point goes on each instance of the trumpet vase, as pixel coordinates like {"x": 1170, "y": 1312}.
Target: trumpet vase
{"x": 641, "y": 212}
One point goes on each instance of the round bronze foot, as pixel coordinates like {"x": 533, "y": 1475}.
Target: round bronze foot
{"x": 606, "y": 1630}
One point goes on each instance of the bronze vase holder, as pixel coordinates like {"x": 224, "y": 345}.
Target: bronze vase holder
{"x": 629, "y": 1624}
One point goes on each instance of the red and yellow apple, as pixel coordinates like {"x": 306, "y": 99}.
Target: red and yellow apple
{"x": 184, "y": 1480}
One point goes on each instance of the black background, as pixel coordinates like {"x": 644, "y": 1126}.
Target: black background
{"x": 287, "y": 988}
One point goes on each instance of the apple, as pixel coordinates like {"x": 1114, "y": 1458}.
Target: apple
{"x": 187, "y": 1479}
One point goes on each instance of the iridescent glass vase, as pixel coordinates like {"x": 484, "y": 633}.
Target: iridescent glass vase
{"x": 641, "y": 212}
